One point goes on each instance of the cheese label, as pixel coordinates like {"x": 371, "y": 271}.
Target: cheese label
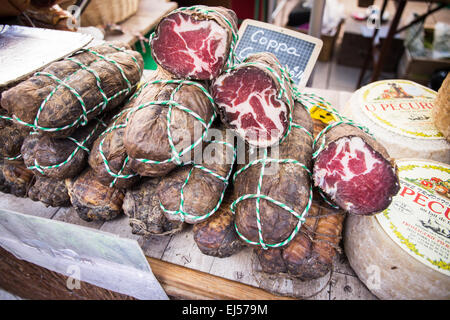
{"x": 402, "y": 107}
{"x": 418, "y": 219}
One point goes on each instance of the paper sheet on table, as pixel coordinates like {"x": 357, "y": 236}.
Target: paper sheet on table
{"x": 99, "y": 258}
{"x": 24, "y": 50}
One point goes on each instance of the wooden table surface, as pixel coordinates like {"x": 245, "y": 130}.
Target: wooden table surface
{"x": 186, "y": 273}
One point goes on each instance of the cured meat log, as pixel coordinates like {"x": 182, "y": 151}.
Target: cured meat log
{"x": 18, "y": 179}
{"x": 194, "y": 192}
{"x": 196, "y": 42}
{"x": 68, "y": 93}
{"x": 92, "y": 200}
{"x": 216, "y": 236}
{"x": 141, "y": 205}
{"x": 49, "y": 191}
{"x": 108, "y": 158}
{"x": 250, "y": 102}
{"x": 11, "y": 136}
{"x": 354, "y": 170}
{"x": 185, "y": 106}
{"x": 310, "y": 254}
{"x": 60, "y": 158}
{"x": 281, "y": 184}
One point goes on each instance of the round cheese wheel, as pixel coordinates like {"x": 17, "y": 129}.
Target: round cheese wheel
{"x": 441, "y": 110}
{"x": 404, "y": 252}
{"x": 399, "y": 115}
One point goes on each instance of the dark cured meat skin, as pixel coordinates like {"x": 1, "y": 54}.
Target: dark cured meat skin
{"x": 92, "y": 200}
{"x": 150, "y": 124}
{"x": 3, "y": 184}
{"x": 48, "y": 151}
{"x": 11, "y": 136}
{"x": 49, "y": 191}
{"x": 202, "y": 192}
{"x": 310, "y": 254}
{"x": 115, "y": 153}
{"x": 289, "y": 184}
{"x": 250, "y": 117}
{"x": 25, "y": 99}
{"x": 18, "y": 179}
{"x": 367, "y": 193}
{"x": 217, "y": 236}
{"x": 167, "y": 45}
{"x": 141, "y": 205}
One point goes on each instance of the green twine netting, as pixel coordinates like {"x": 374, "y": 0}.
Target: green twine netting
{"x": 171, "y": 103}
{"x": 79, "y": 146}
{"x": 232, "y": 58}
{"x": 181, "y": 212}
{"x": 258, "y": 196}
{"x": 83, "y": 118}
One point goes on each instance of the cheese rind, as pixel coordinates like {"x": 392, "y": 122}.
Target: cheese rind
{"x": 398, "y": 114}
{"x": 387, "y": 270}
{"x": 404, "y": 252}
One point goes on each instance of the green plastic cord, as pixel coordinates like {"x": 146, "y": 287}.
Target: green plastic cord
{"x": 232, "y": 58}
{"x": 79, "y": 146}
{"x": 83, "y": 118}
{"x": 181, "y": 212}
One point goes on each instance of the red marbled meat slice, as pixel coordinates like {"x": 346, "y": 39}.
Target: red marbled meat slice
{"x": 247, "y": 99}
{"x": 190, "y": 48}
{"x": 356, "y": 177}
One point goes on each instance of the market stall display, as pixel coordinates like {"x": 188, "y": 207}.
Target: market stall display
{"x": 165, "y": 152}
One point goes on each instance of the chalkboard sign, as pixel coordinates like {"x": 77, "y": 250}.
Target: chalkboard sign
{"x": 296, "y": 51}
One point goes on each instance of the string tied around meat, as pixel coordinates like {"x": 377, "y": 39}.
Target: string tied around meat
{"x": 258, "y": 196}
{"x": 62, "y": 83}
{"x": 176, "y": 156}
{"x": 80, "y": 145}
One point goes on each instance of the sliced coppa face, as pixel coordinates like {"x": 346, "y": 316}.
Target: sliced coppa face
{"x": 355, "y": 176}
{"x": 190, "y": 48}
{"x": 247, "y": 99}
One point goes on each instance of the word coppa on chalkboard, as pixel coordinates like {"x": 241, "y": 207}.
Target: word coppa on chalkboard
{"x": 296, "y": 51}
